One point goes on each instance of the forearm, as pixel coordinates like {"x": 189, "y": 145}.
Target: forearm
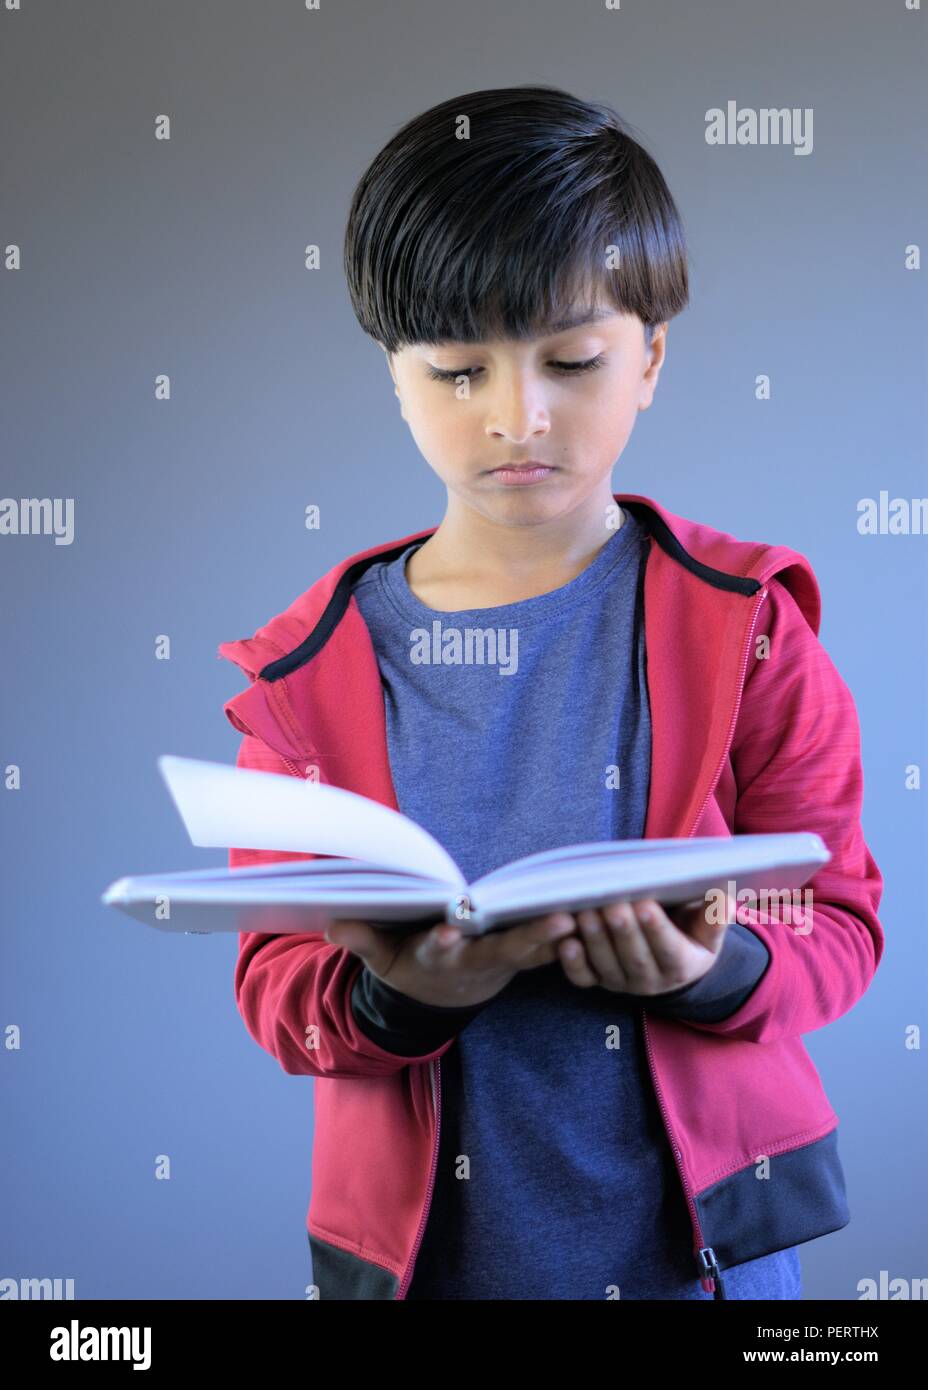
{"x": 739, "y": 966}
{"x": 401, "y": 1025}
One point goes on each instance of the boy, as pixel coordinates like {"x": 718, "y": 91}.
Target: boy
{"x": 617, "y": 1103}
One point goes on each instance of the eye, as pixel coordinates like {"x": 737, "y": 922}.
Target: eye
{"x": 589, "y": 366}
{"x": 580, "y": 366}
{"x": 566, "y": 368}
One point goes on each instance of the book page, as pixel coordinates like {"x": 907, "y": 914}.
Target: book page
{"x": 672, "y": 871}
{"x": 584, "y": 853}
{"x": 733, "y": 849}
{"x": 234, "y": 806}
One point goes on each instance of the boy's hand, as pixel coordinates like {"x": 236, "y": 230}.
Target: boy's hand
{"x": 440, "y": 966}
{"x": 643, "y": 948}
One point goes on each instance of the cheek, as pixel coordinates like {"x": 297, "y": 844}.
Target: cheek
{"x": 438, "y": 426}
{"x": 436, "y": 421}
{"x": 606, "y": 414}
{"x": 623, "y": 413}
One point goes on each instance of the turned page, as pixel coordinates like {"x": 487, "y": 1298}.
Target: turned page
{"x": 232, "y": 806}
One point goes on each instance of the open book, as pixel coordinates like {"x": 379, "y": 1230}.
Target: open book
{"x": 388, "y": 870}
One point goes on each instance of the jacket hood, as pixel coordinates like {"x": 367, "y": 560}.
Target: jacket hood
{"x": 295, "y": 635}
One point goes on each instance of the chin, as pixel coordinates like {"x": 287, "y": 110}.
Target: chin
{"x": 521, "y": 509}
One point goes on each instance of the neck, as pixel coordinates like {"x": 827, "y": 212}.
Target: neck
{"x": 468, "y": 540}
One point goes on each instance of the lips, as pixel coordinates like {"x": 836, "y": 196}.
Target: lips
{"x": 522, "y": 474}
{"x": 523, "y": 467}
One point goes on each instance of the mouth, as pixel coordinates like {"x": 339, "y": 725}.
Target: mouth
{"x": 532, "y": 471}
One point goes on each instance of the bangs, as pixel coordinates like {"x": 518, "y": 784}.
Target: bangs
{"x": 547, "y": 213}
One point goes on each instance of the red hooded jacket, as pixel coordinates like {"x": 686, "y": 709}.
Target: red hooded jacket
{"x": 739, "y": 745}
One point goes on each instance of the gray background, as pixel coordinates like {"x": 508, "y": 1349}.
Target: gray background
{"x": 186, "y": 257}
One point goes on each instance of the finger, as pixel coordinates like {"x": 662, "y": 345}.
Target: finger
{"x": 702, "y": 920}
{"x": 545, "y": 951}
{"x": 574, "y": 961}
{"x": 664, "y": 941}
{"x": 364, "y": 941}
{"x": 636, "y": 959}
{"x": 379, "y": 947}
{"x": 441, "y": 945}
{"x": 515, "y": 946}
{"x": 598, "y": 939}
{"x": 354, "y": 936}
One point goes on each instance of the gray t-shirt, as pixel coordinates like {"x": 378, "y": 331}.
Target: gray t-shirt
{"x": 512, "y": 730}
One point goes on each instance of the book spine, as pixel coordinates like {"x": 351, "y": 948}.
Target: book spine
{"x": 468, "y": 915}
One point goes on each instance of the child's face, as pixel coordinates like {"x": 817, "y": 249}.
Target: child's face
{"x": 518, "y": 406}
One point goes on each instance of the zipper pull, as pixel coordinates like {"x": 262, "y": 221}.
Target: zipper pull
{"x": 709, "y": 1273}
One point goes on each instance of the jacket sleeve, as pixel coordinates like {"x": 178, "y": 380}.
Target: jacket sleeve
{"x": 796, "y": 760}
{"x": 715, "y": 996}
{"x": 313, "y": 1005}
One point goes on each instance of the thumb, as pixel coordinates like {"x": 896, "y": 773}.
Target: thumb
{"x": 709, "y": 918}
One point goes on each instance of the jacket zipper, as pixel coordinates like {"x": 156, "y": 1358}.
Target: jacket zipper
{"x": 734, "y": 718}
{"x": 435, "y": 1074}
{"x": 709, "y": 1274}
{"x": 297, "y": 771}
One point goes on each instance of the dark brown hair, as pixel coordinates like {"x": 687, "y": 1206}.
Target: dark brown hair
{"x": 500, "y": 234}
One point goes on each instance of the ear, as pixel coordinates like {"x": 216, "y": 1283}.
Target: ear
{"x": 654, "y": 361}
{"x": 389, "y": 358}
{"x": 396, "y": 389}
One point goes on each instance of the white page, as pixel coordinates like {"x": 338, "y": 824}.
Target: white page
{"x": 237, "y": 806}
{"x": 763, "y": 849}
{"x": 777, "y": 861}
{"x": 586, "y": 852}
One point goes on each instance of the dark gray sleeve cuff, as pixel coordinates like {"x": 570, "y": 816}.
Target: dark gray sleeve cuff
{"x": 401, "y": 1025}
{"x": 726, "y": 985}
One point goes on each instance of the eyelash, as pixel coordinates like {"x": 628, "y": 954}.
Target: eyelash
{"x": 565, "y": 368}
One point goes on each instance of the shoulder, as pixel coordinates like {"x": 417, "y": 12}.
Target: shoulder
{"x": 791, "y": 681}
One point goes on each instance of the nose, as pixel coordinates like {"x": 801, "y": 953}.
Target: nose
{"x": 516, "y": 408}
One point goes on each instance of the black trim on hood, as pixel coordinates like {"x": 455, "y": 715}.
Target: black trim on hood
{"x": 649, "y": 519}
